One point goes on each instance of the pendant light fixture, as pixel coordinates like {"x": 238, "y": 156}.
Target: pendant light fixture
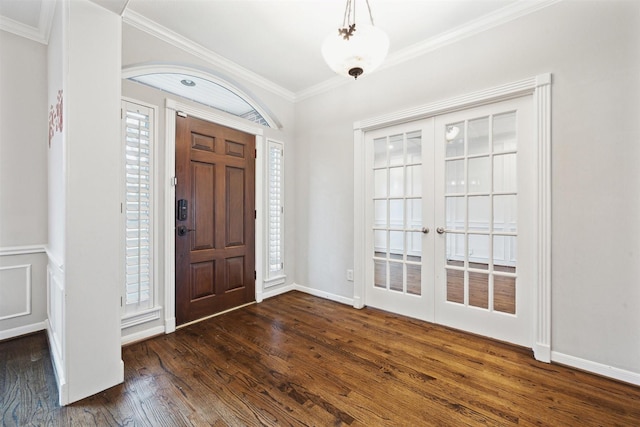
{"x": 354, "y": 51}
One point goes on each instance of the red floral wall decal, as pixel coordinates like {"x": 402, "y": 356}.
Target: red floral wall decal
{"x": 55, "y": 117}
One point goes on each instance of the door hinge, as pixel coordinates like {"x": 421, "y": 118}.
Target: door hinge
{"x": 174, "y": 181}
{"x": 120, "y": 301}
{"x": 255, "y": 275}
{"x": 255, "y": 214}
{"x": 255, "y": 153}
{"x": 121, "y": 208}
{"x": 181, "y": 114}
{"x": 121, "y": 114}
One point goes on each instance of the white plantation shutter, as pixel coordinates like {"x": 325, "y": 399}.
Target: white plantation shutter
{"x": 275, "y": 207}
{"x": 138, "y": 164}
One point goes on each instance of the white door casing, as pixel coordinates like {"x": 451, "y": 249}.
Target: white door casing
{"x": 540, "y": 89}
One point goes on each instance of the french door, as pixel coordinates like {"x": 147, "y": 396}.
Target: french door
{"x": 451, "y": 202}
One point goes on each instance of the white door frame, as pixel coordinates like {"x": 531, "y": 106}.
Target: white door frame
{"x": 540, "y": 87}
{"x": 171, "y": 107}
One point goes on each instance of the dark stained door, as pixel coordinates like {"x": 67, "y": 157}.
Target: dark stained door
{"x": 215, "y": 257}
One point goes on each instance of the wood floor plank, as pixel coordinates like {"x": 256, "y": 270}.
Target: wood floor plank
{"x": 298, "y": 360}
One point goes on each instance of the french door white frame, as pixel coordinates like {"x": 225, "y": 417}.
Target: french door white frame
{"x": 540, "y": 87}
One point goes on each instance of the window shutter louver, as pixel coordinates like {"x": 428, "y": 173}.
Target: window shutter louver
{"x": 275, "y": 210}
{"x": 138, "y": 125}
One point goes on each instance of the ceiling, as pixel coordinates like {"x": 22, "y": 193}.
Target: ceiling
{"x": 278, "y": 41}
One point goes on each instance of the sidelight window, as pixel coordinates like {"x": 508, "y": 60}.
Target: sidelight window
{"x": 137, "y": 209}
{"x": 275, "y": 213}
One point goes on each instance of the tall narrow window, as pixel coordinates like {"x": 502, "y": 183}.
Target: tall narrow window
{"x": 138, "y": 140}
{"x": 275, "y": 217}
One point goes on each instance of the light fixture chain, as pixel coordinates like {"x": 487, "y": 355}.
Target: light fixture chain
{"x": 370, "y": 14}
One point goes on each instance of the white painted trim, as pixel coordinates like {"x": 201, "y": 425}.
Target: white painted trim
{"x": 58, "y": 367}
{"x": 278, "y": 291}
{"x": 23, "y": 250}
{"x": 169, "y": 222}
{"x": 150, "y": 27}
{"x": 171, "y": 107}
{"x": 40, "y": 33}
{"x": 311, "y": 291}
{"x": 27, "y": 289}
{"x": 142, "y": 335}
{"x": 473, "y": 99}
{"x": 54, "y": 260}
{"x": 155, "y": 68}
{"x": 141, "y": 317}
{"x": 596, "y": 368}
{"x": 22, "y": 330}
{"x": 499, "y": 17}
{"x": 323, "y": 294}
{"x": 538, "y": 86}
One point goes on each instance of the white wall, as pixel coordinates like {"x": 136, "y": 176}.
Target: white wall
{"x": 592, "y": 50}
{"x": 23, "y": 185}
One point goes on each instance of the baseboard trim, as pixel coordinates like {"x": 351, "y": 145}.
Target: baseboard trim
{"x": 142, "y": 335}
{"x": 596, "y": 368}
{"x": 323, "y": 294}
{"x": 23, "y": 330}
{"x": 277, "y": 291}
{"x": 58, "y": 369}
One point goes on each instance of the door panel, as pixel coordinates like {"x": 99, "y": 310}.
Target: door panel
{"x": 215, "y": 249}
{"x": 400, "y": 264}
{"x": 483, "y": 181}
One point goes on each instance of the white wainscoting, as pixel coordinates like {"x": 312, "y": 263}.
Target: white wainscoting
{"x": 15, "y": 291}
{"x": 22, "y": 290}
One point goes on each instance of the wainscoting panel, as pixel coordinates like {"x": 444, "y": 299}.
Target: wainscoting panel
{"x": 15, "y": 291}
{"x": 23, "y": 292}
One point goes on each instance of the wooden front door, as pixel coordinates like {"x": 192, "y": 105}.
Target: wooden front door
{"x": 215, "y": 223}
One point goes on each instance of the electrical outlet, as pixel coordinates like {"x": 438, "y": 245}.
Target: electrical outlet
{"x": 350, "y": 275}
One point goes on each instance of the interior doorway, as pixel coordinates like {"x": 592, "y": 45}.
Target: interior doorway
{"x": 450, "y": 209}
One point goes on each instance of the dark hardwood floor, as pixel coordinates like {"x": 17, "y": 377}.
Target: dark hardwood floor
{"x": 300, "y": 360}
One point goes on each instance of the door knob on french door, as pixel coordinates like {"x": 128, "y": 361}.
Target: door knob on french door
{"x": 440, "y": 230}
{"x": 425, "y": 230}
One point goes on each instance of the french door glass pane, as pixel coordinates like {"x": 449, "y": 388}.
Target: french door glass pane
{"x": 504, "y": 132}
{"x": 380, "y": 274}
{"x": 478, "y": 289}
{"x": 396, "y": 182}
{"x": 455, "y": 213}
{"x": 479, "y": 213}
{"x": 396, "y": 276}
{"x": 504, "y": 294}
{"x": 380, "y": 152}
{"x": 380, "y": 243}
{"x": 414, "y": 214}
{"x": 380, "y": 183}
{"x": 414, "y": 181}
{"x": 478, "y": 251}
{"x": 505, "y": 253}
{"x": 455, "y": 136}
{"x": 396, "y": 150}
{"x": 380, "y": 213}
{"x": 414, "y": 281}
{"x": 504, "y": 213}
{"x": 396, "y": 244}
{"x": 455, "y": 249}
{"x": 455, "y": 285}
{"x": 396, "y": 213}
{"x": 478, "y": 136}
{"x": 454, "y": 175}
{"x": 504, "y": 173}
{"x": 414, "y": 148}
{"x": 479, "y": 175}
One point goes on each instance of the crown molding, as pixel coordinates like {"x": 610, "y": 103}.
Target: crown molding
{"x": 150, "y": 27}
{"x": 501, "y": 16}
{"x": 38, "y": 34}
